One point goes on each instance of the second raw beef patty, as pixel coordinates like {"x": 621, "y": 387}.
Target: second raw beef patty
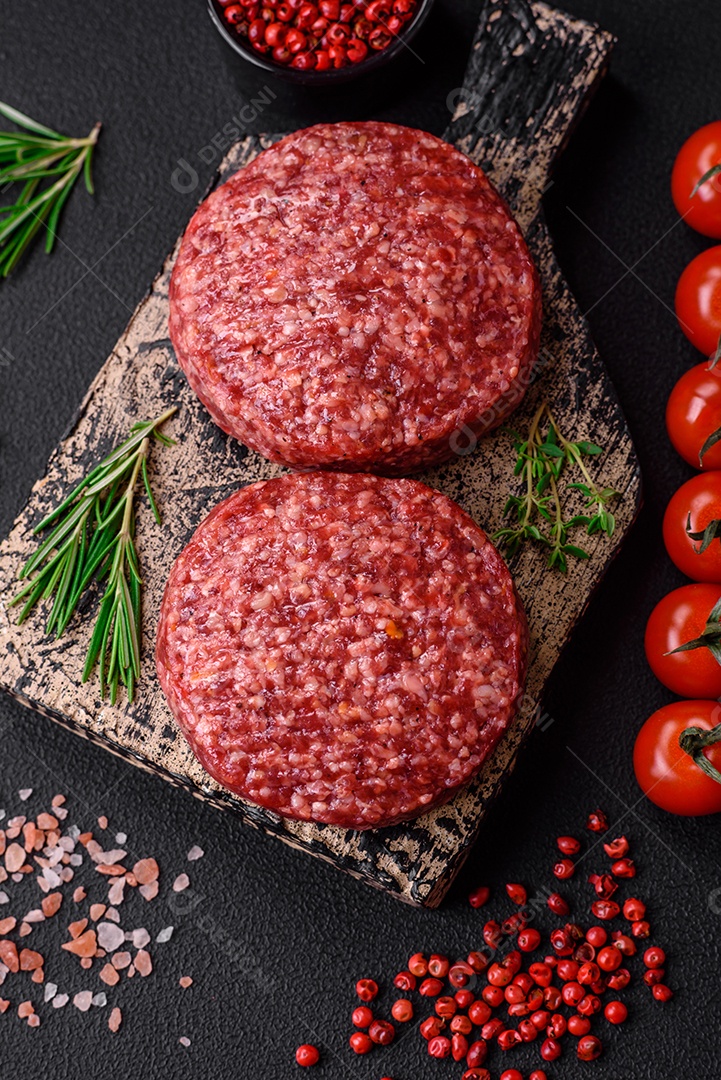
{"x": 352, "y": 298}
{"x": 341, "y": 648}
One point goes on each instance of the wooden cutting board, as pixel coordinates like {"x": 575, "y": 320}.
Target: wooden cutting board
{"x": 530, "y": 74}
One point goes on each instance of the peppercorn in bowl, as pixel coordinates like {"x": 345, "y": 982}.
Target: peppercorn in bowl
{"x": 317, "y": 42}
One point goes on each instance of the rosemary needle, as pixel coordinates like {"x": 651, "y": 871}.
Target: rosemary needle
{"x": 93, "y": 537}
{"x": 40, "y": 166}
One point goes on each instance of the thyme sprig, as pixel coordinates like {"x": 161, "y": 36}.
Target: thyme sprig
{"x": 38, "y": 170}
{"x": 93, "y": 538}
{"x": 544, "y": 457}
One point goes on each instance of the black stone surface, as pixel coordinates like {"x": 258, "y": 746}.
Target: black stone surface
{"x": 274, "y": 941}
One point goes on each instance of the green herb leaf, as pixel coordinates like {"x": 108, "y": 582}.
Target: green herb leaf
{"x": 33, "y": 154}
{"x": 93, "y": 539}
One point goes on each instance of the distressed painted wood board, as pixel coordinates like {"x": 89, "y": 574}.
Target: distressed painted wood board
{"x": 530, "y": 74}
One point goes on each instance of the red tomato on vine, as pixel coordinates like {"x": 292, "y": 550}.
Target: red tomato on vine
{"x": 698, "y": 155}
{"x": 690, "y": 525}
{"x": 698, "y": 301}
{"x": 693, "y": 416}
{"x": 681, "y": 619}
{"x": 670, "y": 775}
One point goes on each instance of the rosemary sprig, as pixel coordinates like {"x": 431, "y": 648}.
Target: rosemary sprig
{"x": 28, "y": 157}
{"x": 93, "y": 538}
{"x": 543, "y": 458}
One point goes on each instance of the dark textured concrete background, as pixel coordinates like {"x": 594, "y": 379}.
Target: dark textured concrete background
{"x": 275, "y": 940}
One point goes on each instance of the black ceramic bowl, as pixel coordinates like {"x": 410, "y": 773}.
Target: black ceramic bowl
{"x": 373, "y": 63}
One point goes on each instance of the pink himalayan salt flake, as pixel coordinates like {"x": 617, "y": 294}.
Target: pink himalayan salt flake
{"x": 97, "y": 911}
{"x": 14, "y": 858}
{"x": 181, "y": 882}
{"x": 109, "y": 975}
{"x": 34, "y": 1021}
{"x": 102, "y": 821}
{"x": 165, "y": 935}
{"x": 79, "y": 894}
{"x": 86, "y": 962}
{"x": 116, "y": 891}
{"x": 4, "y": 1005}
{"x": 83, "y": 1000}
{"x": 146, "y": 871}
{"x": 140, "y": 938}
{"x": 25, "y": 793}
{"x": 185, "y": 981}
{"x": 25, "y": 929}
{"x": 34, "y": 916}
{"x": 100, "y": 1000}
{"x": 115, "y": 1019}
{"x": 110, "y": 936}
{"x": 51, "y": 990}
{"x": 143, "y": 963}
{"x": 110, "y": 858}
{"x": 184, "y": 1040}
{"x": 16, "y": 877}
{"x": 58, "y": 800}
{"x": 195, "y": 853}
{"x": 25, "y": 1009}
{"x": 66, "y": 874}
{"x": 112, "y": 915}
{"x": 17, "y": 822}
{"x": 61, "y": 812}
{"x": 149, "y": 892}
{"x": 59, "y": 1000}
{"x": 7, "y": 925}
{"x": 121, "y": 960}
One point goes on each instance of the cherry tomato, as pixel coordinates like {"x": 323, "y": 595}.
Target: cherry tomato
{"x": 680, "y": 617}
{"x": 697, "y": 155}
{"x": 699, "y": 500}
{"x": 693, "y": 413}
{"x": 668, "y": 776}
{"x": 698, "y": 300}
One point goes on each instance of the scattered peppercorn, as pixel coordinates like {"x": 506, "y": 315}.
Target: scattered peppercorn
{"x": 307, "y": 1055}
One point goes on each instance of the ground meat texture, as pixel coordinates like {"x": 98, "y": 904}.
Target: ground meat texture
{"x": 341, "y": 648}
{"x": 354, "y": 297}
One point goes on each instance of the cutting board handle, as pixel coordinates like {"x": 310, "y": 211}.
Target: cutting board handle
{"x": 531, "y": 73}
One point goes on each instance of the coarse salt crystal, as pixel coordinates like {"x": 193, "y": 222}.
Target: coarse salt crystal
{"x": 149, "y": 892}
{"x": 165, "y": 935}
{"x": 115, "y": 1019}
{"x": 59, "y": 1000}
{"x": 185, "y": 981}
{"x": 195, "y": 853}
{"x": 184, "y": 1040}
{"x": 110, "y": 936}
{"x": 25, "y": 793}
{"x": 112, "y": 914}
{"x": 51, "y": 990}
{"x": 181, "y": 882}
{"x": 100, "y": 999}
{"x": 4, "y": 898}
{"x": 120, "y": 838}
{"x": 140, "y": 937}
{"x": 83, "y": 1000}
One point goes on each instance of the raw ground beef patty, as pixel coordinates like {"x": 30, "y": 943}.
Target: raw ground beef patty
{"x": 341, "y": 648}
{"x": 352, "y": 298}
